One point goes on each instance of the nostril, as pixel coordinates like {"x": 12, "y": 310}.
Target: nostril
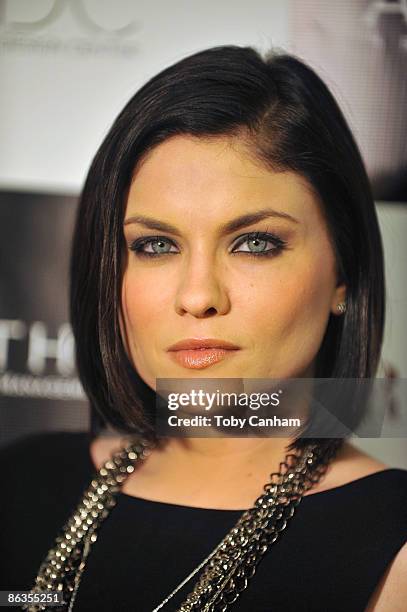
{"x": 209, "y": 312}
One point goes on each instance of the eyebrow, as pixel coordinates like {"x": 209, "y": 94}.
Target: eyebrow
{"x": 225, "y": 228}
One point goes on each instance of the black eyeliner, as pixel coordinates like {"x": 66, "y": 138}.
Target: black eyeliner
{"x": 137, "y": 245}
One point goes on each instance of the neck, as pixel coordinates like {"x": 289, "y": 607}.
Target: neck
{"x": 224, "y": 473}
{"x": 226, "y": 453}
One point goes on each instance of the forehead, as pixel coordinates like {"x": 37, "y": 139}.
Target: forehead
{"x": 213, "y": 176}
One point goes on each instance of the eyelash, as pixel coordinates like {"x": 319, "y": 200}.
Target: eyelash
{"x": 279, "y": 245}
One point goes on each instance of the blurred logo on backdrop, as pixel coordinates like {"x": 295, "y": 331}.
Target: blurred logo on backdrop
{"x": 40, "y": 350}
{"x": 39, "y": 388}
{"x": 73, "y": 26}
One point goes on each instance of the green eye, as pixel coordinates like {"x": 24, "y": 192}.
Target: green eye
{"x": 257, "y": 245}
{"x": 159, "y": 245}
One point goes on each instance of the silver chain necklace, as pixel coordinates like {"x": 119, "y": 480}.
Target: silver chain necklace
{"x": 226, "y": 570}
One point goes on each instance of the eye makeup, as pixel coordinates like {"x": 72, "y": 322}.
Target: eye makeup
{"x": 256, "y": 239}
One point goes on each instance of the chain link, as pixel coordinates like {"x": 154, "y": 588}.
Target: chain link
{"x": 227, "y": 573}
{"x": 228, "y": 568}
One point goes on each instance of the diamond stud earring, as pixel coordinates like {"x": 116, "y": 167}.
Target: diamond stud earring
{"x": 341, "y": 307}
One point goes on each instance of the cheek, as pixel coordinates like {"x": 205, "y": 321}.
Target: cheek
{"x": 144, "y": 300}
{"x": 309, "y": 303}
{"x": 288, "y": 309}
{"x": 136, "y": 304}
{"x": 284, "y": 292}
{"x": 305, "y": 310}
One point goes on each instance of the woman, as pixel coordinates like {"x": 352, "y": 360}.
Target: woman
{"x": 226, "y": 230}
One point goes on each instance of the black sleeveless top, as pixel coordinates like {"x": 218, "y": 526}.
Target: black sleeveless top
{"x": 329, "y": 558}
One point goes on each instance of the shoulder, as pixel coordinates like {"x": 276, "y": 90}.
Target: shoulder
{"x": 358, "y": 461}
{"x": 43, "y": 478}
{"x": 350, "y": 464}
{"x": 383, "y": 487}
{"x": 102, "y": 447}
{"x": 390, "y": 594}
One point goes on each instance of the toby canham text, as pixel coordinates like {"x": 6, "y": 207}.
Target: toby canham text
{"x": 232, "y": 421}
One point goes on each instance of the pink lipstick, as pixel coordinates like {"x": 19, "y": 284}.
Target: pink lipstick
{"x": 198, "y": 353}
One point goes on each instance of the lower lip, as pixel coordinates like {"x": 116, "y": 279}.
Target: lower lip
{"x": 200, "y": 358}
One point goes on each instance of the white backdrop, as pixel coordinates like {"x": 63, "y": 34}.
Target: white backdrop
{"x": 63, "y": 82}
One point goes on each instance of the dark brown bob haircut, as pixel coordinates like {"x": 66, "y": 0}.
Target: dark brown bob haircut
{"x": 291, "y": 121}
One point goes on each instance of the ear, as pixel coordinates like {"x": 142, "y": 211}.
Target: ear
{"x": 339, "y": 297}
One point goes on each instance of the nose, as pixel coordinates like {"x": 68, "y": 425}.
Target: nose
{"x": 201, "y": 292}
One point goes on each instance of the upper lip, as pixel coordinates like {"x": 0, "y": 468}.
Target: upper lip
{"x": 196, "y": 343}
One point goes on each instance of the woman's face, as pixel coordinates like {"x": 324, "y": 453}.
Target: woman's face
{"x": 270, "y": 295}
